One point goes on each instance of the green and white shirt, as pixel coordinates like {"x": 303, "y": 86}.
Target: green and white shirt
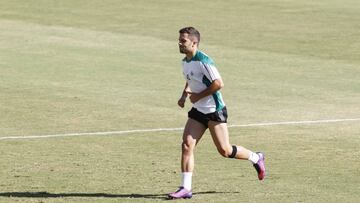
{"x": 199, "y": 73}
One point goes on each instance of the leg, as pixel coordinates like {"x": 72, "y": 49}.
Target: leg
{"x": 220, "y": 136}
{"x": 192, "y": 134}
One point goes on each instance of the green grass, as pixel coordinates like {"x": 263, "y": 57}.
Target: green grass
{"x": 93, "y": 66}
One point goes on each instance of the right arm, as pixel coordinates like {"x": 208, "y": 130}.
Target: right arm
{"x": 184, "y": 95}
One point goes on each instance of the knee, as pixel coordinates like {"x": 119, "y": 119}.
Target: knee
{"x": 228, "y": 152}
{"x": 187, "y": 146}
{"x": 225, "y": 151}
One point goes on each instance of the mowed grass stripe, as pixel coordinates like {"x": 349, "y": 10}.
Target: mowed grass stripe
{"x": 80, "y": 78}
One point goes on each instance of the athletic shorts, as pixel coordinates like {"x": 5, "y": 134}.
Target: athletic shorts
{"x": 217, "y": 116}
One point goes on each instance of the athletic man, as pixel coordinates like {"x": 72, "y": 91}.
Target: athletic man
{"x": 203, "y": 83}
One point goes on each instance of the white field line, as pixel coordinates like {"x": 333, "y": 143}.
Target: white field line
{"x": 178, "y": 129}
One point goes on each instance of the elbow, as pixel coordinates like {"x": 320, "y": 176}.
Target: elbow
{"x": 219, "y": 84}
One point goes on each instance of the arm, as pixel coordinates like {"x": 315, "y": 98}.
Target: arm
{"x": 182, "y": 99}
{"x": 216, "y": 85}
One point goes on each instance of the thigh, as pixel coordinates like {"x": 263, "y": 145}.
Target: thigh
{"x": 193, "y": 132}
{"x": 219, "y": 133}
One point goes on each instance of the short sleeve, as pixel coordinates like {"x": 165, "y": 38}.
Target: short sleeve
{"x": 210, "y": 71}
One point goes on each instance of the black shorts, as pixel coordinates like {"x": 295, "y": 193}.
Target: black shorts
{"x": 217, "y": 116}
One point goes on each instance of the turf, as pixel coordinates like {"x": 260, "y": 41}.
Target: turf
{"x": 94, "y": 66}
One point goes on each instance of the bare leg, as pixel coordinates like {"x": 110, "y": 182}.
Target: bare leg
{"x": 220, "y": 135}
{"x": 192, "y": 134}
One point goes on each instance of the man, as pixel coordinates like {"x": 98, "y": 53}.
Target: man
{"x": 203, "y": 83}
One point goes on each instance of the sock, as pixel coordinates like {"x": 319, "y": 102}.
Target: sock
{"x": 186, "y": 180}
{"x": 254, "y": 158}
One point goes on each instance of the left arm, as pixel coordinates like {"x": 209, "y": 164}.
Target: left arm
{"x": 215, "y": 86}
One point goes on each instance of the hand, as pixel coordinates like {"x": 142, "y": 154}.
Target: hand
{"x": 181, "y": 102}
{"x": 194, "y": 97}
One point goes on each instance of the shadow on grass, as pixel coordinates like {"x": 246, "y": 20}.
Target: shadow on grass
{"x": 95, "y": 195}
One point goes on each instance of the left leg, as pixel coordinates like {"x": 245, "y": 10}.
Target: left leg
{"x": 220, "y": 135}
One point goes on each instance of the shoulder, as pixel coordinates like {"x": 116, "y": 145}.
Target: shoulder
{"x": 202, "y": 57}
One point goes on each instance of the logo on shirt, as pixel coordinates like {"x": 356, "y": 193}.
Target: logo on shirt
{"x": 188, "y": 77}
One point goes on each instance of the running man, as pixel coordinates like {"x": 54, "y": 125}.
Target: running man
{"x": 202, "y": 86}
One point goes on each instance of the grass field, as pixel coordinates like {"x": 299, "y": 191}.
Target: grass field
{"x": 102, "y": 66}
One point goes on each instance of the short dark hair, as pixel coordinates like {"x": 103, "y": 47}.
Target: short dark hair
{"x": 192, "y": 32}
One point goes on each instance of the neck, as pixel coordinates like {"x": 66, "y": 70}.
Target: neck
{"x": 191, "y": 54}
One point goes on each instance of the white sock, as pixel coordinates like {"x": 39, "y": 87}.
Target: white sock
{"x": 254, "y": 158}
{"x": 186, "y": 180}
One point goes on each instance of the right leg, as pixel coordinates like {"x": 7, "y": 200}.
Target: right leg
{"x": 193, "y": 132}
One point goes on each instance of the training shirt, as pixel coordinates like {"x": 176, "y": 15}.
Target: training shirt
{"x": 199, "y": 73}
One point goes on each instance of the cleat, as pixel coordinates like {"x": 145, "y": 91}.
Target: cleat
{"x": 260, "y": 166}
{"x": 181, "y": 193}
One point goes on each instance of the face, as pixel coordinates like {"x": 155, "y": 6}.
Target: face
{"x": 186, "y": 45}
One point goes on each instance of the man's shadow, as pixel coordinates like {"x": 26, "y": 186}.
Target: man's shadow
{"x": 94, "y": 195}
